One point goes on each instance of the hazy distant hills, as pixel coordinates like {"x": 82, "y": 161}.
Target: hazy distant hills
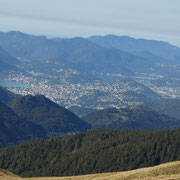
{"x": 167, "y": 106}
{"x": 97, "y": 54}
{"x": 45, "y": 113}
{"x": 58, "y": 70}
{"x": 94, "y": 58}
{"x": 22, "y": 45}
{"x": 170, "y": 53}
{"x": 91, "y": 152}
{"x": 83, "y": 53}
{"x": 130, "y": 91}
{"x": 6, "y": 96}
{"x": 6, "y": 58}
{"x": 7, "y": 62}
{"x": 130, "y": 118}
{"x": 14, "y": 129}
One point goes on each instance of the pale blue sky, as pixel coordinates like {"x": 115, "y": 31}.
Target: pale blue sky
{"x": 151, "y": 19}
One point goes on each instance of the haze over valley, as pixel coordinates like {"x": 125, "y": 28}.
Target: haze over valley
{"x": 81, "y": 72}
{"x": 89, "y": 90}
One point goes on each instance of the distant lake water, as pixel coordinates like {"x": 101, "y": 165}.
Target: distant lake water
{"x": 14, "y": 84}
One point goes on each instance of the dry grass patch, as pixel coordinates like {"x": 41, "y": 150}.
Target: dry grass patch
{"x": 6, "y": 175}
{"x": 168, "y": 171}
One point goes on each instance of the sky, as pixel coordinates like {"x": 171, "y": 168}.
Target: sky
{"x": 148, "y": 19}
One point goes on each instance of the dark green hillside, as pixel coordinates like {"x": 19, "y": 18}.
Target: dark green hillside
{"x": 6, "y": 96}
{"x": 42, "y": 111}
{"x": 81, "y": 111}
{"x": 92, "y": 152}
{"x": 13, "y": 129}
{"x": 130, "y": 118}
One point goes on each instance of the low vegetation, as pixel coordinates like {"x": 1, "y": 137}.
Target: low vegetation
{"x": 167, "y": 171}
{"x": 6, "y": 175}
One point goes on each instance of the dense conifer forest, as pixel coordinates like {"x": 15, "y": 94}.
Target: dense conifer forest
{"x": 92, "y": 152}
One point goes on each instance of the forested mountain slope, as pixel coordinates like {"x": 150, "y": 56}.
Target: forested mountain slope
{"x": 92, "y": 152}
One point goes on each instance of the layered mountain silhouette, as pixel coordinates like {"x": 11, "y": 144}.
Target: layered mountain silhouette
{"x": 14, "y": 129}
{"x": 170, "y": 107}
{"x": 6, "y": 96}
{"x": 31, "y": 117}
{"x": 6, "y": 58}
{"x": 97, "y": 54}
{"x": 130, "y": 118}
{"x": 168, "y": 52}
{"x": 83, "y": 53}
{"x": 55, "y": 119}
{"x": 8, "y": 64}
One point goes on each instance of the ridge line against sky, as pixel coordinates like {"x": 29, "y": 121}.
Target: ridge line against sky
{"x": 155, "y": 19}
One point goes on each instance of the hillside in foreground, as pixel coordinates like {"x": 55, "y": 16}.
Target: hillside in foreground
{"x": 91, "y": 152}
{"x": 167, "y": 171}
{"x": 6, "y": 175}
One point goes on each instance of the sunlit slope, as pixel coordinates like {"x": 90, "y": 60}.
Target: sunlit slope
{"x": 5, "y": 175}
{"x": 167, "y": 171}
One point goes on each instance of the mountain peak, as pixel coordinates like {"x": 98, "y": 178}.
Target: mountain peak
{"x": 51, "y": 116}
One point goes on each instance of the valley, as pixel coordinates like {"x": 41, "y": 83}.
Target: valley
{"x": 89, "y": 90}
{"x": 124, "y": 103}
{"x": 123, "y": 91}
{"x": 82, "y": 73}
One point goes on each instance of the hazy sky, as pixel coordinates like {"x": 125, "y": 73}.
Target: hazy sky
{"x": 151, "y": 19}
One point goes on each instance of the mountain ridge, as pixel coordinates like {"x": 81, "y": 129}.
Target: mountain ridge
{"x": 129, "y": 44}
{"x": 51, "y": 116}
{"x": 14, "y": 129}
{"x": 82, "y": 52}
{"x": 130, "y": 118}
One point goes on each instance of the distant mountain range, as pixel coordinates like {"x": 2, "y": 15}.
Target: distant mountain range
{"x": 86, "y": 74}
{"x": 7, "y": 62}
{"x": 106, "y": 54}
{"x": 161, "y": 50}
